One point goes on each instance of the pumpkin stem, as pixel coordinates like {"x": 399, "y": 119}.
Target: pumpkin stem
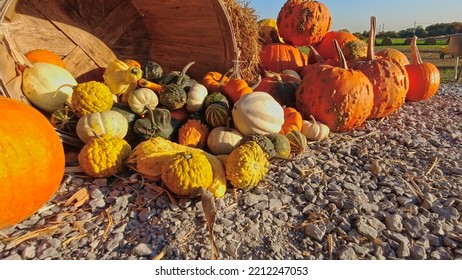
{"x": 60, "y": 87}
{"x": 371, "y": 43}
{"x": 312, "y": 119}
{"x": 341, "y": 58}
{"x": 316, "y": 54}
{"x": 416, "y": 57}
{"x": 183, "y": 72}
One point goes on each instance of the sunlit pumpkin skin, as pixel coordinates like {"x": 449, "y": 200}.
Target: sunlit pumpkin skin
{"x": 235, "y": 88}
{"x": 326, "y": 46}
{"x": 339, "y": 97}
{"x": 394, "y": 54}
{"x": 303, "y": 22}
{"x": 31, "y": 161}
{"x": 277, "y": 57}
{"x": 293, "y": 120}
{"x": 43, "y": 55}
{"x": 281, "y": 87}
{"x": 214, "y": 81}
{"x": 424, "y": 77}
{"x": 389, "y": 79}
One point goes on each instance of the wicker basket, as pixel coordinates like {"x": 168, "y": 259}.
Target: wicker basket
{"x": 90, "y": 33}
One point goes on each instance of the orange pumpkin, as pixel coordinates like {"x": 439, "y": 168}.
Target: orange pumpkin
{"x": 277, "y": 57}
{"x": 339, "y": 97}
{"x": 214, "y": 81}
{"x": 389, "y": 79}
{"x": 235, "y": 88}
{"x": 326, "y": 47}
{"x": 292, "y": 120}
{"x": 394, "y": 54}
{"x": 303, "y": 23}
{"x": 424, "y": 77}
{"x": 43, "y": 55}
{"x": 31, "y": 161}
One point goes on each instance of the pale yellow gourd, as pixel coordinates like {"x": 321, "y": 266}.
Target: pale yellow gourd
{"x": 314, "y": 130}
{"x": 47, "y": 86}
{"x": 141, "y": 100}
{"x": 195, "y": 98}
{"x": 223, "y": 140}
{"x": 258, "y": 112}
{"x": 121, "y": 78}
{"x": 97, "y": 124}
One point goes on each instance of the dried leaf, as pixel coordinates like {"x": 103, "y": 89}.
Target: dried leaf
{"x": 210, "y": 211}
{"x": 78, "y": 198}
{"x": 33, "y": 234}
{"x": 109, "y": 225}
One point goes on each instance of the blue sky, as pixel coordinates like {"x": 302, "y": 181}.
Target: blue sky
{"x": 392, "y": 15}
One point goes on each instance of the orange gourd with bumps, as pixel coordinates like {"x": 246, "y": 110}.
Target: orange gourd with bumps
{"x": 31, "y": 161}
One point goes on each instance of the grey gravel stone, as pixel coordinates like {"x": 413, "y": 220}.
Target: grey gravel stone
{"x": 394, "y": 222}
{"x": 142, "y": 250}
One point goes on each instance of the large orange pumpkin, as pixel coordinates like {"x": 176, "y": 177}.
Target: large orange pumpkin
{"x": 424, "y": 77}
{"x": 43, "y": 55}
{"x": 31, "y": 161}
{"x": 389, "y": 79}
{"x": 339, "y": 97}
{"x": 277, "y": 57}
{"x": 303, "y": 22}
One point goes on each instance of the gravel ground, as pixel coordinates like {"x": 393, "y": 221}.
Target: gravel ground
{"x": 389, "y": 190}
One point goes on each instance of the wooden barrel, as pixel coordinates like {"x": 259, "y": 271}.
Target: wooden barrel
{"x": 88, "y": 34}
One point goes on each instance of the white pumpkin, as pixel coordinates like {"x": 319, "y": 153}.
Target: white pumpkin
{"x": 47, "y": 86}
{"x": 258, "y": 112}
{"x": 222, "y": 140}
{"x": 196, "y": 97}
{"x": 99, "y": 123}
{"x": 314, "y": 130}
{"x": 141, "y": 99}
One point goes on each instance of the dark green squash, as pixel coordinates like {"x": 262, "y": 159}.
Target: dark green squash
{"x": 152, "y": 71}
{"x": 156, "y": 122}
{"x": 216, "y": 97}
{"x": 217, "y": 114}
{"x": 173, "y": 94}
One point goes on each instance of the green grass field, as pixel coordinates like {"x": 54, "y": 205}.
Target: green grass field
{"x": 429, "y": 53}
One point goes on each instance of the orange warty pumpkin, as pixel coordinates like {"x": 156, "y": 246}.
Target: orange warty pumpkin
{"x": 31, "y": 161}
{"x": 326, "y": 47}
{"x": 277, "y": 57}
{"x": 424, "y": 77}
{"x": 42, "y": 55}
{"x": 339, "y": 97}
{"x": 214, "y": 81}
{"x": 303, "y": 22}
{"x": 389, "y": 79}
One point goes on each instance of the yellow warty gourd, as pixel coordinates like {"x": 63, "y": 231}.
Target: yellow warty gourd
{"x": 246, "y": 165}
{"x": 104, "y": 156}
{"x": 151, "y": 155}
{"x": 186, "y": 172}
{"x": 90, "y": 97}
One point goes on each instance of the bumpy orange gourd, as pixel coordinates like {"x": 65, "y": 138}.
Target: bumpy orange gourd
{"x": 424, "y": 77}
{"x": 326, "y": 46}
{"x": 389, "y": 79}
{"x": 303, "y": 22}
{"x": 277, "y": 57}
{"x": 31, "y": 161}
{"x": 292, "y": 120}
{"x": 339, "y": 97}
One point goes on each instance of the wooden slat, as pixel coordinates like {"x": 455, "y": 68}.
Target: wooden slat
{"x": 92, "y": 11}
{"x": 70, "y": 23}
{"x": 182, "y": 11}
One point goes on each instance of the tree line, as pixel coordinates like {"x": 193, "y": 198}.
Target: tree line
{"x": 434, "y": 30}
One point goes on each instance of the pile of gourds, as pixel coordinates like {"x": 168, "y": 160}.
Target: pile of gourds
{"x": 193, "y": 134}
{"x": 189, "y": 134}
